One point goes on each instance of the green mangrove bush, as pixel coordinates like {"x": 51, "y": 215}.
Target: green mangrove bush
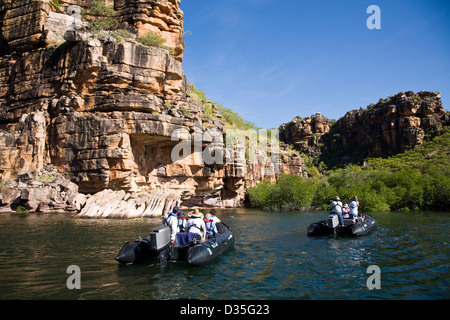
{"x": 290, "y": 192}
{"x": 415, "y": 180}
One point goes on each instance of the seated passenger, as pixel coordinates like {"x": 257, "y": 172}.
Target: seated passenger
{"x": 211, "y": 229}
{"x": 181, "y": 221}
{"x": 195, "y": 224}
{"x": 345, "y": 211}
{"x": 213, "y": 216}
{"x": 353, "y": 206}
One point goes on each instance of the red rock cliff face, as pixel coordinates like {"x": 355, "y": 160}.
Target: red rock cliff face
{"x": 391, "y": 126}
{"x": 304, "y": 134}
{"x": 162, "y": 17}
{"x": 102, "y": 112}
{"x": 26, "y": 23}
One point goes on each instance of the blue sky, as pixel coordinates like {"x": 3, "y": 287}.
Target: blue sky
{"x": 273, "y": 60}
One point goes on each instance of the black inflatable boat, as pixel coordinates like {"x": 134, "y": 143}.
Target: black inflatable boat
{"x": 364, "y": 225}
{"x": 187, "y": 247}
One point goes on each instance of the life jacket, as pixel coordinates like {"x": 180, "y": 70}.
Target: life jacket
{"x": 209, "y": 226}
{"x": 182, "y": 223}
{"x": 165, "y": 220}
{"x": 188, "y": 229}
{"x": 354, "y": 204}
{"x": 354, "y": 208}
{"x": 336, "y": 206}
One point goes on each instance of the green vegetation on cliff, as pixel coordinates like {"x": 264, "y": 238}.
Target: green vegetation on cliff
{"x": 151, "y": 39}
{"x": 415, "y": 180}
{"x": 232, "y": 119}
{"x": 100, "y": 17}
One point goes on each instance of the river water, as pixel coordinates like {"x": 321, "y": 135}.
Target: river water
{"x": 272, "y": 259}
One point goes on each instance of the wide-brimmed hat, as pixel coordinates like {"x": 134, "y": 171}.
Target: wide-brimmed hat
{"x": 337, "y": 199}
{"x": 197, "y": 214}
{"x": 353, "y": 198}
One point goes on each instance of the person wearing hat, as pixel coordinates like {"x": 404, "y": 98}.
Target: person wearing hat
{"x": 353, "y": 205}
{"x": 171, "y": 220}
{"x": 181, "y": 221}
{"x": 336, "y": 208}
{"x": 195, "y": 224}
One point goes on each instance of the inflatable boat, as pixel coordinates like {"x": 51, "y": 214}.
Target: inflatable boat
{"x": 364, "y": 225}
{"x": 187, "y": 247}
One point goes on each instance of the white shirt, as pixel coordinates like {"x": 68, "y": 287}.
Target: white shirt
{"x": 336, "y": 206}
{"x": 172, "y": 222}
{"x": 197, "y": 225}
{"x": 354, "y": 207}
{"x": 215, "y": 219}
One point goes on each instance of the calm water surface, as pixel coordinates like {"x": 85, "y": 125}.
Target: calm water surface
{"x": 272, "y": 259}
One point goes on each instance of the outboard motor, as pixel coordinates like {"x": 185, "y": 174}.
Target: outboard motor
{"x": 333, "y": 221}
{"x": 160, "y": 238}
{"x": 160, "y": 242}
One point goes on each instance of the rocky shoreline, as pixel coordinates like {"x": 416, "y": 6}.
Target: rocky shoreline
{"x": 49, "y": 192}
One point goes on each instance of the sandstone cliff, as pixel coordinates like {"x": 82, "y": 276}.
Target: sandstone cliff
{"x": 305, "y": 134}
{"x": 391, "y": 126}
{"x": 28, "y": 24}
{"x": 99, "y": 113}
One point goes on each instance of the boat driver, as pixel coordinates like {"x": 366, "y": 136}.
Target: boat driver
{"x": 336, "y": 208}
{"x": 171, "y": 220}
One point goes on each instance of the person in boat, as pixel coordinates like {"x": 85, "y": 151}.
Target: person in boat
{"x": 181, "y": 221}
{"x": 336, "y": 208}
{"x": 213, "y": 216}
{"x": 345, "y": 211}
{"x": 210, "y": 224}
{"x": 353, "y": 206}
{"x": 195, "y": 224}
{"x": 171, "y": 220}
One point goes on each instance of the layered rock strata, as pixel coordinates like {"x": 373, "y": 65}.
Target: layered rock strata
{"x": 107, "y": 113}
{"x": 391, "y": 126}
{"x": 29, "y": 24}
{"x": 304, "y": 134}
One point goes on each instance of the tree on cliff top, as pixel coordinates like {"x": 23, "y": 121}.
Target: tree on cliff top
{"x": 101, "y": 18}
